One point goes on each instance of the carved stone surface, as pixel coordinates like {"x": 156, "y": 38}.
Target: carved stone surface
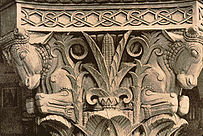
{"x": 114, "y": 17}
{"x": 128, "y": 87}
{"x": 107, "y": 83}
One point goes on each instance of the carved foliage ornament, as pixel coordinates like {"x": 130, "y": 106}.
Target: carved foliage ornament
{"x": 116, "y": 83}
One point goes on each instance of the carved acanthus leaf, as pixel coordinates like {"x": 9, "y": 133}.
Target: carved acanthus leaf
{"x": 99, "y": 78}
{"x": 120, "y": 75}
{"x": 98, "y": 57}
{"x": 117, "y": 57}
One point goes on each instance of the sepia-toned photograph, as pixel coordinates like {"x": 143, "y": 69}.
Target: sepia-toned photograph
{"x": 101, "y": 68}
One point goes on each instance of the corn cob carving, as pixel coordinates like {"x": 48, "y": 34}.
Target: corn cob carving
{"x": 108, "y": 50}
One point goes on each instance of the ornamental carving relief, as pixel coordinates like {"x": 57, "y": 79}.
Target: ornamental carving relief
{"x": 107, "y": 16}
{"x": 98, "y": 18}
{"x": 115, "y": 83}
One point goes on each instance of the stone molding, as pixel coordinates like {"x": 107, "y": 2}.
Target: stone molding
{"x": 108, "y": 17}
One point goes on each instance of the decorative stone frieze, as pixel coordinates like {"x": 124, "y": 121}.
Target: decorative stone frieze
{"x": 109, "y": 17}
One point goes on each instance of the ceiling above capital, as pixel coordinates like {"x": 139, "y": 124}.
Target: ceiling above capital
{"x": 96, "y": 1}
{"x": 5, "y": 2}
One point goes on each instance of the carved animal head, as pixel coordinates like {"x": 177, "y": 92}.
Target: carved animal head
{"x": 18, "y": 51}
{"x": 28, "y": 63}
{"x": 185, "y": 57}
{"x": 31, "y": 61}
